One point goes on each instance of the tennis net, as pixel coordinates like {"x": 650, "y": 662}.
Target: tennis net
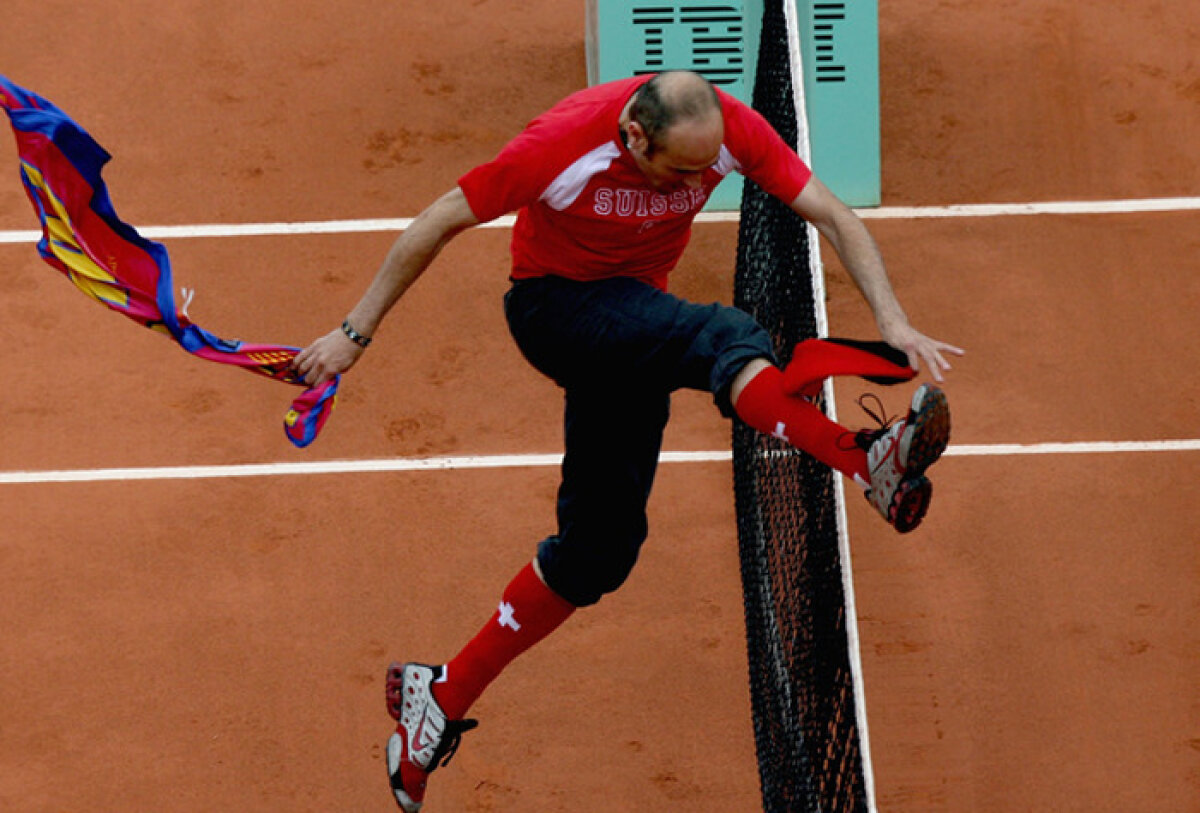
{"x": 809, "y": 726}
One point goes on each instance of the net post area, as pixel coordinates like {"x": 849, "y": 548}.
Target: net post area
{"x": 802, "y": 686}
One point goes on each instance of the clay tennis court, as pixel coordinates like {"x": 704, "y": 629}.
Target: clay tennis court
{"x": 198, "y": 641}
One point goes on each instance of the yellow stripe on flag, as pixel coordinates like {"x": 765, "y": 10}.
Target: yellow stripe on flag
{"x": 88, "y": 275}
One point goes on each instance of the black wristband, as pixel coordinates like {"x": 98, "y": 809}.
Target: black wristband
{"x": 354, "y": 335}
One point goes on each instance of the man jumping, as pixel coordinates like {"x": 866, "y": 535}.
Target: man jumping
{"x": 606, "y": 185}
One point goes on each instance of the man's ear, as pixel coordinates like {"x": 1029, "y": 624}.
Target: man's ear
{"x": 635, "y": 134}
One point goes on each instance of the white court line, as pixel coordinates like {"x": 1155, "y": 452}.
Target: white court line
{"x": 519, "y": 461}
{"x": 399, "y": 464}
{"x": 1115, "y": 447}
{"x": 881, "y": 213}
{"x": 1093, "y": 207}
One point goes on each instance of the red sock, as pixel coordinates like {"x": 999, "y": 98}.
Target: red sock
{"x": 764, "y": 406}
{"x": 528, "y": 612}
{"x": 815, "y": 360}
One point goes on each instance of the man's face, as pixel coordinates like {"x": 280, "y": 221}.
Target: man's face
{"x": 688, "y": 149}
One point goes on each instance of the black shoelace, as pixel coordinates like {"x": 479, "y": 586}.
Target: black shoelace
{"x": 451, "y": 738}
{"x": 863, "y": 438}
{"x": 877, "y": 416}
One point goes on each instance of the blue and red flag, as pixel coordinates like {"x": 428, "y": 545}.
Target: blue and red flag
{"x": 109, "y": 261}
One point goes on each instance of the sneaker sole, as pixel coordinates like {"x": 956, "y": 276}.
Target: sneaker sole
{"x": 910, "y": 503}
{"x": 392, "y": 763}
{"x": 931, "y": 431}
{"x": 391, "y": 688}
{"x": 393, "y": 683}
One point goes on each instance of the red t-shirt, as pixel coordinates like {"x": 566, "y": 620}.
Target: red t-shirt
{"x": 586, "y": 212}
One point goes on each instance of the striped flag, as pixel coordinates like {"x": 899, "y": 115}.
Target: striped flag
{"x": 109, "y": 261}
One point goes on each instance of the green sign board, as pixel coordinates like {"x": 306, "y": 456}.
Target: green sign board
{"x": 719, "y": 40}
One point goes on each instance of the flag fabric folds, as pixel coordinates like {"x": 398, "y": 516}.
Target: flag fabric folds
{"x": 109, "y": 261}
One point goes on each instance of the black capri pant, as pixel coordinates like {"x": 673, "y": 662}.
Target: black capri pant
{"x": 618, "y": 348}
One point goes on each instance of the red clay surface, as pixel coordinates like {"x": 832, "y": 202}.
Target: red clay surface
{"x": 220, "y": 644}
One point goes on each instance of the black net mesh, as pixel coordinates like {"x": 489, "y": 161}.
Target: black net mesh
{"x": 805, "y": 726}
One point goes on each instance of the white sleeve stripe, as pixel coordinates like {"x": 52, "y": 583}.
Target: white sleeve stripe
{"x": 726, "y": 163}
{"x": 564, "y": 189}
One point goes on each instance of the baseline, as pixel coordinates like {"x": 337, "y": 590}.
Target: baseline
{"x": 522, "y": 461}
{"x": 1097, "y": 207}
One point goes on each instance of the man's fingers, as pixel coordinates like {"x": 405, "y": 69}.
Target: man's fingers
{"x": 914, "y": 359}
{"x": 303, "y": 360}
{"x": 306, "y": 367}
{"x": 317, "y": 376}
{"x": 936, "y": 365}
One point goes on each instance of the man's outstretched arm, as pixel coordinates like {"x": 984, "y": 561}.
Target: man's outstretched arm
{"x": 410, "y": 255}
{"x": 860, "y": 255}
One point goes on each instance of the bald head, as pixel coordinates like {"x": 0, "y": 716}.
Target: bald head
{"x": 672, "y": 98}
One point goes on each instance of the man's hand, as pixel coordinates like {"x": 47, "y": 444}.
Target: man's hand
{"x": 332, "y": 354}
{"x": 920, "y": 348}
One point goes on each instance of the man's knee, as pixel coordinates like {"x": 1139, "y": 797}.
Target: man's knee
{"x": 745, "y": 376}
{"x": 739, "y": 347}
{"x": 582, "y": 568}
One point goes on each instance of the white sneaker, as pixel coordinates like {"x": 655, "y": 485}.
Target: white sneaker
{"x": 424, "y": 739}
{"x": 899, "y": 455}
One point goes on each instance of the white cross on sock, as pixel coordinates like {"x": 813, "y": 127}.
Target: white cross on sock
{"x": 506, "y": 617}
